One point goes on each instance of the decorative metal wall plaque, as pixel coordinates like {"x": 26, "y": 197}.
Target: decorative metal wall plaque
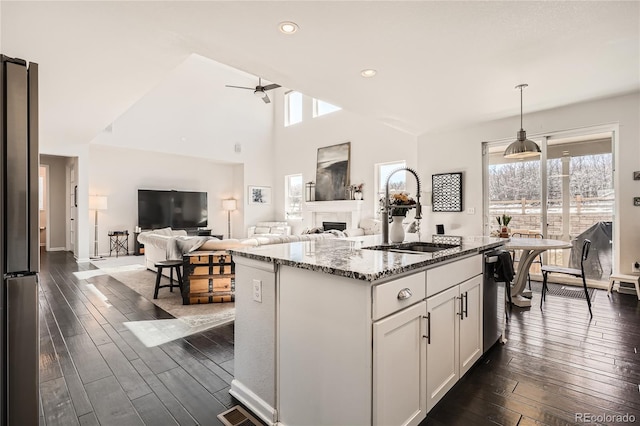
{"x": 447, "y": 192}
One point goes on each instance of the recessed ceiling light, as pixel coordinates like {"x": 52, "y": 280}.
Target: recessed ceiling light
{"x": 368, "y": 73}
{"x": 288, "y": 27}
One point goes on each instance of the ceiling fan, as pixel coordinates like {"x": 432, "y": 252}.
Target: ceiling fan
{"x": 260, "y": 90}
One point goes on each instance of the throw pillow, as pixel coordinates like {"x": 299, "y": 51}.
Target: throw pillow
{"x": 277, "y": 230}
{"x": 261, "y": 230}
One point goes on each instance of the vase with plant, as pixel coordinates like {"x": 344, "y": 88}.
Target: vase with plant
{"x": 357, "y": 191}
{"x": 503, "y": 221}
{"x": 399, "y": 205}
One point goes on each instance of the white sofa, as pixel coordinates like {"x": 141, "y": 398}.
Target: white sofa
{"x": 269, "y": 229}
{"x": 367, "y": 226}
{"x": 161, "y": 244}
{"x": 155, "y": 245}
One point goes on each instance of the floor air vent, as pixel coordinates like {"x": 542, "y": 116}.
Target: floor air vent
{"x": 238, "y": 416}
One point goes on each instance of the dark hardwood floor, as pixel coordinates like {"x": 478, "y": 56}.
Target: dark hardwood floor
{"x": 93, "y": 370}
{"x": 557, "y": 368}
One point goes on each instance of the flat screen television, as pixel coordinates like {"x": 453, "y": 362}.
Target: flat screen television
{"x": 177, "y": 209}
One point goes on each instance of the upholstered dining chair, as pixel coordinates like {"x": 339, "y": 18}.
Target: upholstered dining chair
{"x": 516, "y": 259}
{"x": 578, "y": 273}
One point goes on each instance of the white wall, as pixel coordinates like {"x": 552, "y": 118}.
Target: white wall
{"x": 192, "y": 113}
{"x": 296, "y": 149}
{"x": 460, "y": 151}
{"x": 118, "y": 173}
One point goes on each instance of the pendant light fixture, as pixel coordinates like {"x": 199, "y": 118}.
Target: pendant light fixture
{"x": 522, "y": 147}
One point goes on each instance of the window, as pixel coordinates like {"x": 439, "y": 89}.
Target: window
{"x": 321, "y": 108}
{"x": 293, "y": 196}
{"x": 292, "y": 108}
{"x": 398, "y": 181}
{"x": 575, "y": 202}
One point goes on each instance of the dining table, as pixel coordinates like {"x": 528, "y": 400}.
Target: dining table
{"x": 531, "y": 248}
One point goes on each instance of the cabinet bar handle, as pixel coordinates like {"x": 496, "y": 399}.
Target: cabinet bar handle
{"x": 461, "y": 308}
{"x": 466, "y": 304}
{"x": 404, "y": 294}
{"x": 428, "y": 336}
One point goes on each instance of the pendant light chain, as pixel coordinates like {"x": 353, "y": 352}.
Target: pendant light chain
{"x": 521, "y": 86}
{"x": 522, "y": 147}
{"x": 521, "y": 127}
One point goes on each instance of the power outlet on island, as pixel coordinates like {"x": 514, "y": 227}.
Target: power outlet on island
{"x": 635, "y": 266}
{"x": 257, "y": 291}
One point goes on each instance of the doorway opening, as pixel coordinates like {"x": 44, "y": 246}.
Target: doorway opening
{"x": 43, "y": 204}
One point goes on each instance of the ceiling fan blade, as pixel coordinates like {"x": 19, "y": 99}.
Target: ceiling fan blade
{"x": 240, "y": 87}
{"x": 266, "y": 99}
{"x": 271, "y": 86}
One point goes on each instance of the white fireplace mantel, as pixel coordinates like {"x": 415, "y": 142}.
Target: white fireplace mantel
{"x": 334, "y": 206}
{"x": 338, "y": 206}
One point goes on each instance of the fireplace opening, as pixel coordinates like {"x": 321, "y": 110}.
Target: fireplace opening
{"x": 340, "y": 226}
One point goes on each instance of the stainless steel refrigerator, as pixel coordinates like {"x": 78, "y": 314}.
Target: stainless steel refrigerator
{"x": 19, "y": 237}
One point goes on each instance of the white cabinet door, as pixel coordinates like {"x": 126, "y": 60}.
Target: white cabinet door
{"x": 470, "y": 323}
{"x": 442, "y": 346}
{"x": 399, "y": 367}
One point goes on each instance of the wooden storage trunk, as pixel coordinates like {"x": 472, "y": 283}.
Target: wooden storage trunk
{"x": 208, "y": 277}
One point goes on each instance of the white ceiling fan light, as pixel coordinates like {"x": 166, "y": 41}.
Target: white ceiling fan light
{"x": 288, "y": 27}
{"x": 522, "y": 147}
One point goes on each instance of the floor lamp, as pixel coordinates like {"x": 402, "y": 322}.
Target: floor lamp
{"x": 229, "y": 205}
{"x": 96, "y": 202}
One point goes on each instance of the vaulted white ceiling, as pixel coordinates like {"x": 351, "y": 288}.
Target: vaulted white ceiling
{"x": 440, "y": 64}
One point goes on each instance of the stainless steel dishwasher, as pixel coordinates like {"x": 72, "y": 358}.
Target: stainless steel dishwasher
{"x": 493, "y": 321}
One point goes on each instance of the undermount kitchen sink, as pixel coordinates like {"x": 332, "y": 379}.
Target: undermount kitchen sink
{"x": 413, "y": 247}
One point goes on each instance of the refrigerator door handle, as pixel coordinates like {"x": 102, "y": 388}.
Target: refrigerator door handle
{"x": 34, "y": 169}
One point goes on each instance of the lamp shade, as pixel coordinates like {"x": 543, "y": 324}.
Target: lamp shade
{"x": 97, "y": 202}
{"x": 230, "y": 204}
{"x": 522, "y": 148}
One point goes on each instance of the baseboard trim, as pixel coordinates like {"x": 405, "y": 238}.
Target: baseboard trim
{"x": 253, "y": 402}
{"x": 83, "y": 260}
{"x": 57, "y": 249}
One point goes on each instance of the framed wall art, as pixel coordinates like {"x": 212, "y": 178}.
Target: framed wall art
{"x": 332, "y": 172}
{"x": 447, "y": 192}
{"x": 259, "y": 195}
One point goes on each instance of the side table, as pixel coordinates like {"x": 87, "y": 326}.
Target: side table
{"x": 138, "y": 247}
{"x": 118, "y": 242}
{"x": 623, "y": 278}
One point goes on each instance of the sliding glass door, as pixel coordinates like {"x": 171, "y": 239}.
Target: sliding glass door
{"x": 575, "y": 202}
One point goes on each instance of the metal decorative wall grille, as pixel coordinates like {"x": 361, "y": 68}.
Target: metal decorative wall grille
{"x": 447, "y": 192}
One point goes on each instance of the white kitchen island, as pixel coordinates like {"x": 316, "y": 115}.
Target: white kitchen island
{"x": 330, "y": 333}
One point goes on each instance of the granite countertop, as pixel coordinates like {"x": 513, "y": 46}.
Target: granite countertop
{"x": 347, "y": 257}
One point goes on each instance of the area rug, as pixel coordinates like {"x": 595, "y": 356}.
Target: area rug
{"x": 573, "y": 292}
{"x": 191, "y": 318}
